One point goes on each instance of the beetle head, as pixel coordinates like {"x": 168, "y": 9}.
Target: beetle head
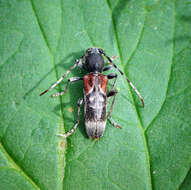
{"x": 93, "y": 60}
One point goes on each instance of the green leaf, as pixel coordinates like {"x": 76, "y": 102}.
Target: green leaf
{"x": 39, "y": 41}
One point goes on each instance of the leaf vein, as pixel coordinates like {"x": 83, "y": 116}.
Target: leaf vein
{"x": 17, "y": 167}
{"x": 170, "y": 72}
{"x": 135, "y": 107}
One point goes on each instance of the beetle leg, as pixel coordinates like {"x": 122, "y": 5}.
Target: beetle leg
{"x": 114, "y": 123}
{"x": 72, "y": 79}
{"x": 112, "y": 93}
{"x": 80, "y": 102}
{"x": 107, "y": 68}
{"x": 78, "y": 62}
{"x": 130, "y": 83}
{"x": 111, "y": 76}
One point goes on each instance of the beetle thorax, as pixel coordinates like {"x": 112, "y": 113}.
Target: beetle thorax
{"x": 93, "y": 60}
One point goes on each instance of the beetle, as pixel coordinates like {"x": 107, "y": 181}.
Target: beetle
{"x": 95, "y": 91}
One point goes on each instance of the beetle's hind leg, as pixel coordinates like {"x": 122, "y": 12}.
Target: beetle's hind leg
{"x": 114, "y": 123}
{"x": 80, "y": 102}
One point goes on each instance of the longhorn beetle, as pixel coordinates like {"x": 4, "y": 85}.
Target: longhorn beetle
{"x": 95, "y": 91}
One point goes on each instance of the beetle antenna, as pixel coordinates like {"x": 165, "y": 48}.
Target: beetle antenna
{"x": 77, "y": 63}
{"x": 130, "y": 83}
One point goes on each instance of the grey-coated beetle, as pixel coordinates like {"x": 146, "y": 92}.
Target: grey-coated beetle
{"x": 95, "y": 91}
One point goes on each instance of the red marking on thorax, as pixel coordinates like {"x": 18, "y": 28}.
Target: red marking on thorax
{"x": 102, "y": 80}
{"x": 89, "y": 82}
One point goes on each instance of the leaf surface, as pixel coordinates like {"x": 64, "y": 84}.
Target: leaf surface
{"x": 40, "y": 40}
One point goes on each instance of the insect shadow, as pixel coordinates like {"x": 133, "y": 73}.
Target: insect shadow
{"x": 75, "y": 91}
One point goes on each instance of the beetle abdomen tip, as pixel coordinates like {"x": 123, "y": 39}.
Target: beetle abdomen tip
{"x": 95, "y": 129}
